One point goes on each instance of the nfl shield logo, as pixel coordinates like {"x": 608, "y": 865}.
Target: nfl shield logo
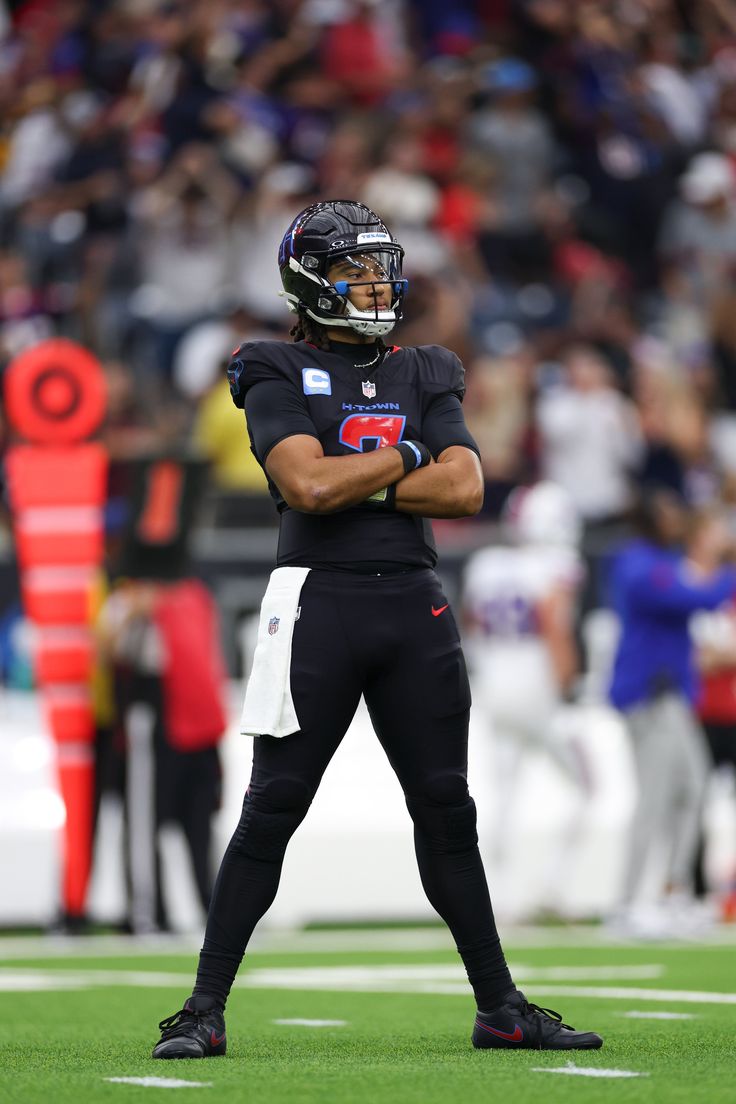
{"x": 369, "y": 389}
{"x": 273, "y": 626}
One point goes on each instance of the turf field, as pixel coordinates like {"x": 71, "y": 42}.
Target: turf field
{"x": 369, "y": 1016}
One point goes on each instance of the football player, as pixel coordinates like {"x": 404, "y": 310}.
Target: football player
{"x": 361, "y": 442}
{"x": 519, "y": 604}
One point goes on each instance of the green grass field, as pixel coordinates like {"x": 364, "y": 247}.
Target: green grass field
{"x": 75, "y": 1013}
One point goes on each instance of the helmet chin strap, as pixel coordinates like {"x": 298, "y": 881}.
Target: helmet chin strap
{"x": 369, "y": 327}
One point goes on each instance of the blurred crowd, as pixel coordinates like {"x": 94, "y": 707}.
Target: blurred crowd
{"x": 561, "y": 174}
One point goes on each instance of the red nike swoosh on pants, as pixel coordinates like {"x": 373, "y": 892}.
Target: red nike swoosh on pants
{"x": 437, "y": 612}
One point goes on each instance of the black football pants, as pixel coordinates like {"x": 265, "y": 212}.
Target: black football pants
{"x": 393, "y": 639}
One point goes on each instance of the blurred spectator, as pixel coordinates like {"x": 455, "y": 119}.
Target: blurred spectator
{"x": 348, "y": 155}
{"x": 516, "y": 137}
{"x": 24, "y": 317}
{"x": 159, "y": 637}
{"x": 698, "y": 236}
{"x": 590, "y": 441}
{"x": 182, "y": 228}
{"x": 131, "y": 428}
{"x": 218, "y": 429}
{"x": 680, "y": 450}
{"x": 162, "y": 642}
{"x": 498, "y": 414}
{"x": 408, "y": 200}
{"x": 362, "y": 51}
{"x": 37, "y": 143}
{"x": 256, "y": 235}
{"x": 656, "y": 589}
{"x": 715, "y": 637}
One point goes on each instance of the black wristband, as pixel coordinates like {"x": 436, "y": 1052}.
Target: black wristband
{"x": 414, "y": 454}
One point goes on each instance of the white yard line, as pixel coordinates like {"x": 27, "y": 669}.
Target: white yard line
{"x": 449, "y": 977}
{"x": 441, "y": 978}
{"x": 159, "y": 1082}
{"x": 656, "y": 1015}
{"x": 591, "y": 1071}
{"x": 311, "y": 1023}
{"x": 686, "y": 996}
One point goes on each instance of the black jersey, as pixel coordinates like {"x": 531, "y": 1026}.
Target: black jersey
{"x": 413, "y": 394}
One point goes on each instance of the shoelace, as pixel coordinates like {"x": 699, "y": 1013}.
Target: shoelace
{"x": 171, "y": 1025}
{"x": 549, "y": 1013}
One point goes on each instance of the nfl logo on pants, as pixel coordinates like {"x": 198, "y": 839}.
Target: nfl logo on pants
{"x": 273, "y": 626}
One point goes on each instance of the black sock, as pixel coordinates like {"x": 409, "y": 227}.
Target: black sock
{"x": 204, "y": 1002}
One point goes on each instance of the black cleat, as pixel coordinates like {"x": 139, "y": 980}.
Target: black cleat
{"x": 191, "y": 1033}
{"x": 519, "y": 1025}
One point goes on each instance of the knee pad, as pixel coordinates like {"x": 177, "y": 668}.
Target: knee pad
{"x": 271, "y": 814}
{"x": 444, "y": 814}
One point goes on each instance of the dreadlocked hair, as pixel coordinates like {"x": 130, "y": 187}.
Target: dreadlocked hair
{"x": 306, "y": 329}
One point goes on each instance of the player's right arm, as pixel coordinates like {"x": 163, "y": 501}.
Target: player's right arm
{"x": 317, "y": 484}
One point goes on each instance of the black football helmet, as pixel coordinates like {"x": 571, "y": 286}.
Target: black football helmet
{"x": 324, "y": 233}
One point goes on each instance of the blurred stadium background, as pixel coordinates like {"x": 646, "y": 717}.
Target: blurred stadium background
{"x": 561, "y": 175}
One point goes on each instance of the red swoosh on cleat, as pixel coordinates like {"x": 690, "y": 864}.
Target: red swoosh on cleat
{"x": 436, "y": 613}
{"x": 514, "y": 1036}
{"x": 215, "y": 1040}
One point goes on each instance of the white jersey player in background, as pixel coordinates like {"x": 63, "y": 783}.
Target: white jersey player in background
{"x": 519, "y": 604}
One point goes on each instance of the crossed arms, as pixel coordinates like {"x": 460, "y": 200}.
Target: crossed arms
{"x": 317, "y": 484}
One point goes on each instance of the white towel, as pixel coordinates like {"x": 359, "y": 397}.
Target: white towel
{"x": 268, "y": 709}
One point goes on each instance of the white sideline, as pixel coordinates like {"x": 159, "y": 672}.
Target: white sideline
{"x": 379, "y": 979}
{"x": 441, "y": 978}
{"x": 336, "y": 941}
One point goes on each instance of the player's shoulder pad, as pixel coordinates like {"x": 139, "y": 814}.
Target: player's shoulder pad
{"x": 440, "y": 371}
{"x": 255, "y": 361}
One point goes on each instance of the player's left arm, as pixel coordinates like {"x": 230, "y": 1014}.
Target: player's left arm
{"x": 453, "y": 486}
{"x": 450, "y": 488}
